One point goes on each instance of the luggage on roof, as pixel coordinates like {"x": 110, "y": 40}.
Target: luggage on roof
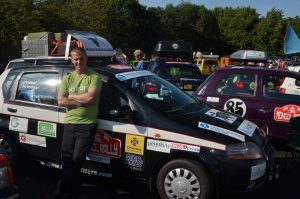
{"x": 174, "y": 49}
{"x": 45, "y": 44}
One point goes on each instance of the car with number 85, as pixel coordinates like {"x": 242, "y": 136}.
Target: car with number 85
{"x": 259, "y": 94}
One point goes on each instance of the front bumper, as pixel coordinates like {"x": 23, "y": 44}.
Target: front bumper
{"x": 238, "y": 176}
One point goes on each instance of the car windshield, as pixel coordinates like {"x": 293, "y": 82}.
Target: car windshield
{"x": 158, "y": 92}
{"x": 179, "y": 71}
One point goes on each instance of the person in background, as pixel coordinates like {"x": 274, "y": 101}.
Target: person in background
{"x": 138, "y": 55}
{"x": 80, "y": 93}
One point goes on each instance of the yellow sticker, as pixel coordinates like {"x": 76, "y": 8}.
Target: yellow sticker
{"x": 134, "y": 144}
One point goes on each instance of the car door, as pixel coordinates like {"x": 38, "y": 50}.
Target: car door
{"x": 30, "y": 107}
{"x": 118, "y": 147}
{"x": 277, "y": 105}
{"x": 235, "y": 92}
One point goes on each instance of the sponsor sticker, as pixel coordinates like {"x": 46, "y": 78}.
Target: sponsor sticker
{"x": 221, "y": 115}
{"x": 134, "y": 144}
{"x": 32, "y": 139}
{"x": 258, "y": 171}
{"x": 18, "y": 124}
{"x": 160, "y": 146}
{"x": 134, "y": 162}
{"x": 97, "y": 158}
{"x": 236, "y": 106}
{"x": 285, "y": 113}
{"x": 213, "y": 99}
{"x": 46, "y": 129}
{"x": 247, "y": 127}
{"x": 132, "y": 74}
{"x": 220, "y": 130}
{"x": 105, "y": 145}
{"x": 185, "y": 147}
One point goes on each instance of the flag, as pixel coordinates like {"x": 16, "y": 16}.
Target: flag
{"x": 291, "y": 41}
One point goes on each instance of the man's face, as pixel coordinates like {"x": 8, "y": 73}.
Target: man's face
{"x": 79, "y": 60}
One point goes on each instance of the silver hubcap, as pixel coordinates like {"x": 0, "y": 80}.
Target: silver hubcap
{"x": 181, "y": 183}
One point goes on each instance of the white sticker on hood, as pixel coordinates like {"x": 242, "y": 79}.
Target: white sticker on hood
{"x": 213, "y": 99}
{"x": 227, "y": 117}
{"x": 220, "y": 130}
{"x": 132, "y": 74}
{"x": 247, "y": 127}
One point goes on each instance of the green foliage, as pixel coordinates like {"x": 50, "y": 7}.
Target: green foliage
{"x": 129, "y": 25}
{"x": 269, "y": 33}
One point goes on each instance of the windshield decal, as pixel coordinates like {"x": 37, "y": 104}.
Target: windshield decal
{"x": 220, "y": 130}
{"x": 132, "y": 74}
{"x": 247, "y": 127}
{"x": 221, "y": 115}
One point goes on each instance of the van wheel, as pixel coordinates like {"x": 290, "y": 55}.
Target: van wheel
{"x": 183, "y": 178}
{"x": 10, "y": 150}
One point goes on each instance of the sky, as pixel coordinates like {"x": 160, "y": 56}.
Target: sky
{"x": 290, "y": 8}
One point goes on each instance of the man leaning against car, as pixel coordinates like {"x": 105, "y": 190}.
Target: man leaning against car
{"x": 79, "y": 93}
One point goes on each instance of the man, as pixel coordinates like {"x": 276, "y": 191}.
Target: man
{"x": 79, "y": 93}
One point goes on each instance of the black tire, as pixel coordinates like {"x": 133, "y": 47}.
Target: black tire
{"x": 9, "y": 148}
{"x": 183, "y": 178}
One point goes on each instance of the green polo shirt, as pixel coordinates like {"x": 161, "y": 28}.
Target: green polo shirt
{"x": 74, "y": 84}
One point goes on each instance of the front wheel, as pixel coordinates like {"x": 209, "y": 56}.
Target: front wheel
{"x": 183, "y": 178}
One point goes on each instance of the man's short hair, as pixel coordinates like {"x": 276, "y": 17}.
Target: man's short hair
{"x": 79, "y": 50}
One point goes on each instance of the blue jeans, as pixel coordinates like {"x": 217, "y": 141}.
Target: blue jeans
{"x": 76, "y": 144}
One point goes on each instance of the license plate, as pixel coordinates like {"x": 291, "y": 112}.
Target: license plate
{"x": 187, "y": 86}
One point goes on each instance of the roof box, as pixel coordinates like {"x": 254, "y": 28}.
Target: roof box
{"x": 174, "y": 49}
{"x": 249, "y": 55}
{"x": 48, "y": 44}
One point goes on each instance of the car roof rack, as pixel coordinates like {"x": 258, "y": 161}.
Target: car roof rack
{"x": 58, "y": 45}
{"x": 181, "y": 50}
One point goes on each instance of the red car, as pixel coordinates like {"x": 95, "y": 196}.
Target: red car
{"x": 256, "y": 94}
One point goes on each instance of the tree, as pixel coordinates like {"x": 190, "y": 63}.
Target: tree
{"x": 237, "y": 25}
{"x": 269, "y": 33}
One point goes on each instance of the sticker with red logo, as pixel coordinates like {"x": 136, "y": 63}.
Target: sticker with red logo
{"x": 105, "y": 145}
{"x": 285, "y": 113}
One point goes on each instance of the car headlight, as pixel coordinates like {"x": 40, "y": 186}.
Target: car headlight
{"x": 247, "y": 150}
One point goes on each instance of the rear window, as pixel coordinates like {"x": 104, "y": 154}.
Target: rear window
{"x": 179, "y": 71}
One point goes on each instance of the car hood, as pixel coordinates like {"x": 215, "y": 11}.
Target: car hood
{"x": 225, "y": 127}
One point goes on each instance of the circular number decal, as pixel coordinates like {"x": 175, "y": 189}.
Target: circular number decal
{"x": 235, "y": 106}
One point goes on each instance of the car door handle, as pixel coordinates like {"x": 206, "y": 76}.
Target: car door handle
{"x": 13, "y": 110}
{"x": 265, "y": 109}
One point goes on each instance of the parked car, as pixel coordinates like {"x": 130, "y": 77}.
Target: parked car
{"x": 290, "y": 85}
{"x": 255, "y": 93}
{"x": 7, "y": 188}
{"x": 207, "y": 64}
{"x": 150, "y": 130}
{"x": 184, "y": 75}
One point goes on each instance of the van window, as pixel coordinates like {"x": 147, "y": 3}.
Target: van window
{"x": 38, "y": 87}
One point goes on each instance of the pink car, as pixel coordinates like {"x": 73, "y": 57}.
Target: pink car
{"x": 256, "y": 94}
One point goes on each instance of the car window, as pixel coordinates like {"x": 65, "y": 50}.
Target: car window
{"x": 174, "y": 72}
{"x": 40, "y": 87}
{"x": 115, "y": 106}
{"x": 6, "y": 86}
{"x": 161, "y": 94}
{"x": 237, "y": 84}
{"x": 280, "y": 87}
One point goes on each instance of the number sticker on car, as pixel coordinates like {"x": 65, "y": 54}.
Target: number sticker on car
{"x": 236, "y": 106}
